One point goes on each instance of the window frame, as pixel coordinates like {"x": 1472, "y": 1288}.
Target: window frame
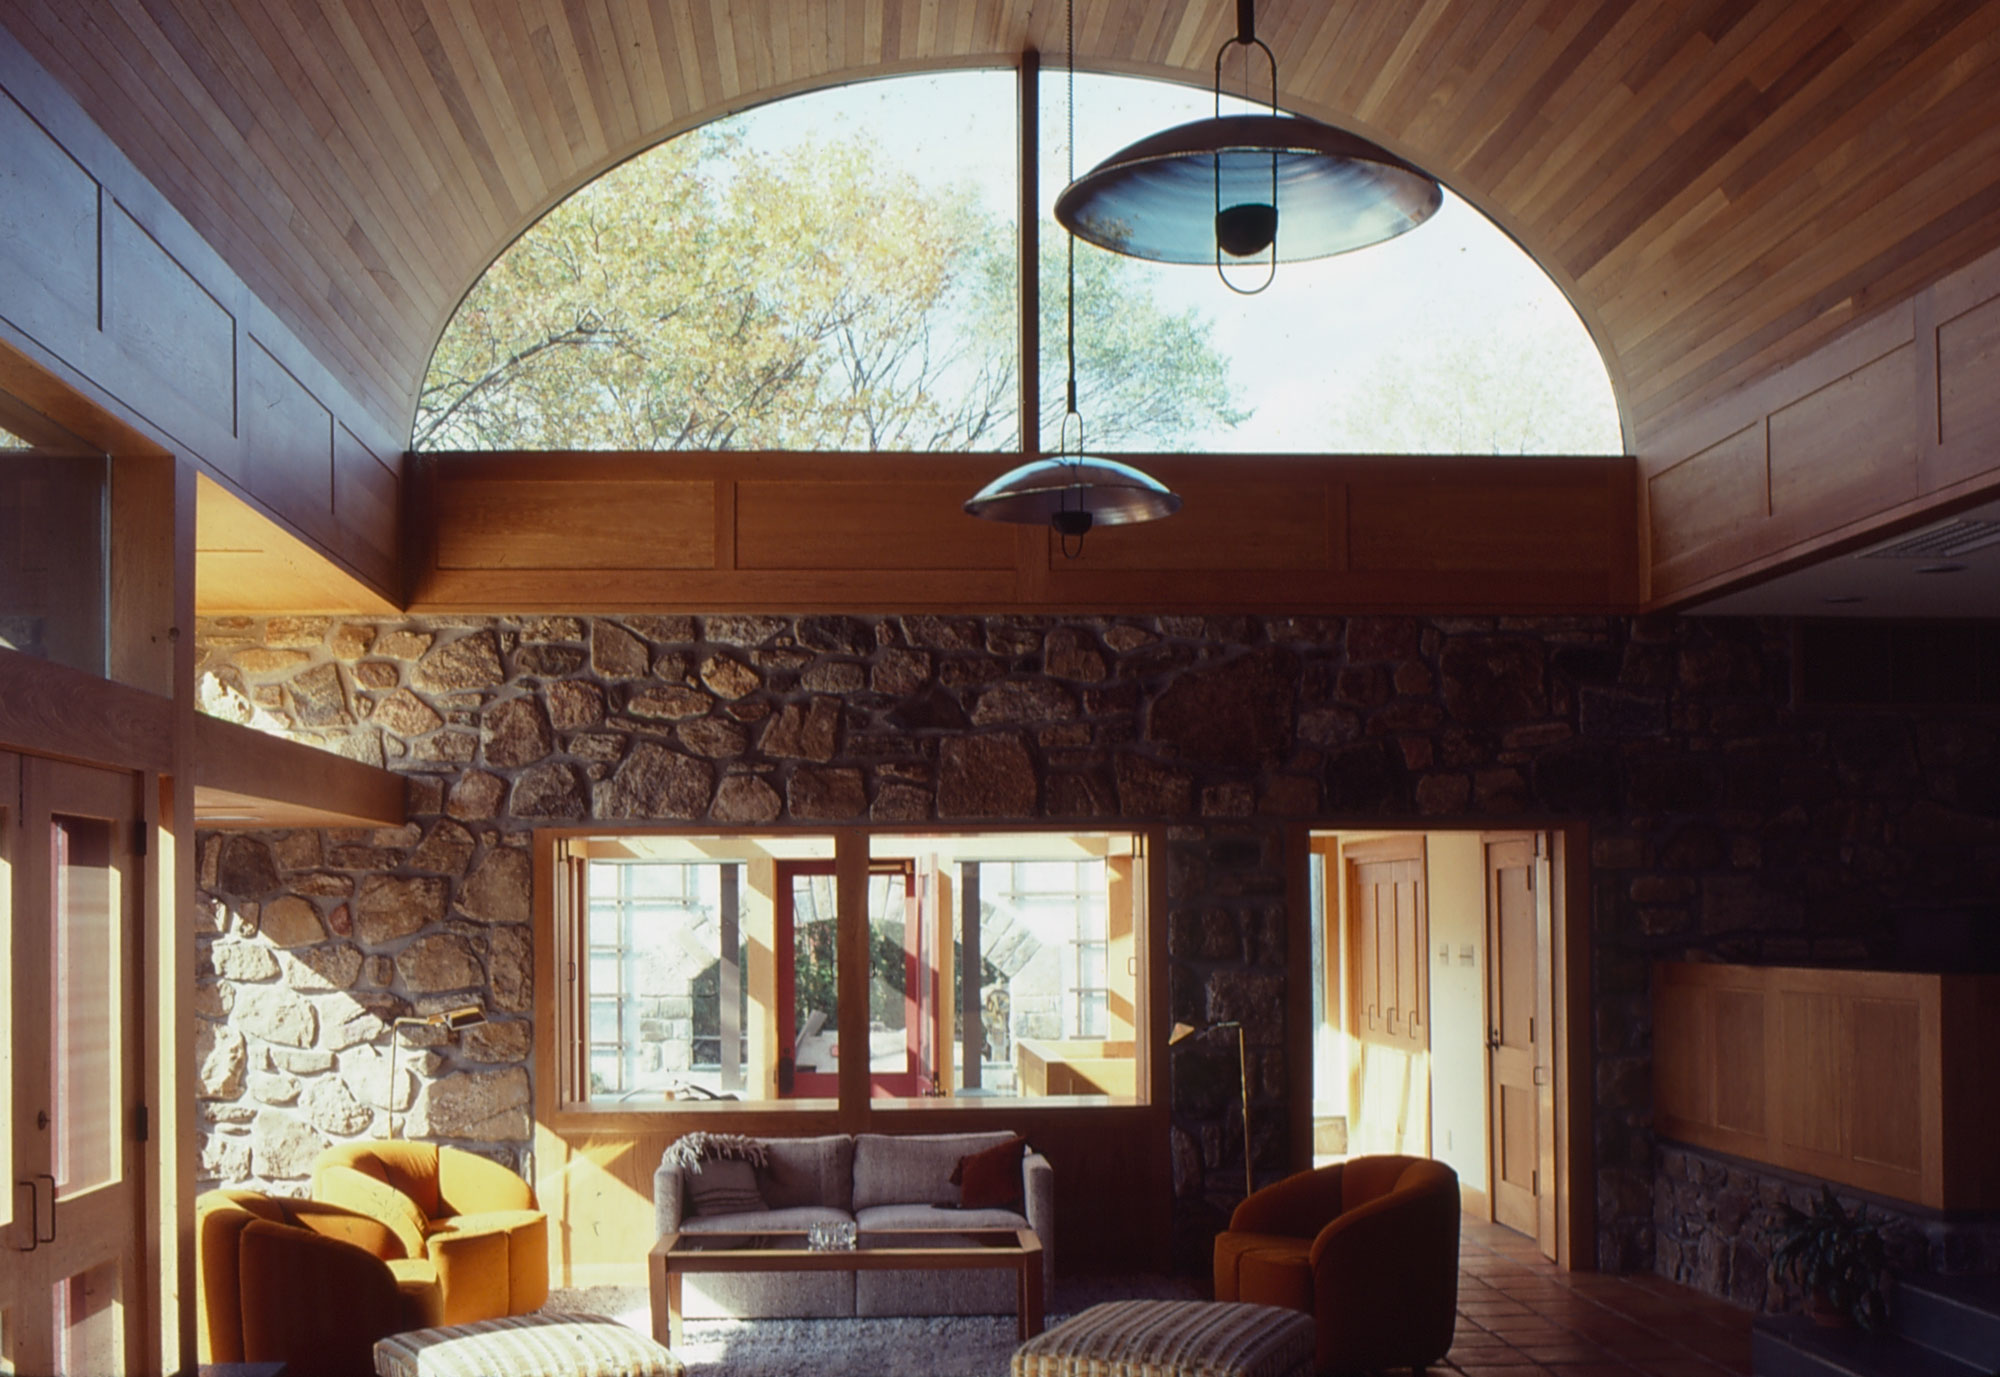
{"x": 562, "y": 1064}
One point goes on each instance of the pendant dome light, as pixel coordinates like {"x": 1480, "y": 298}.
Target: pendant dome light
{"x": 1232, "y": 188}
{"x": 1070, "y": 491}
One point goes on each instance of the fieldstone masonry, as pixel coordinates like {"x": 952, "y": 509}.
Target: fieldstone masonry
{"x": 1714, "y": 1216}
{"x": 1723, "y": 824}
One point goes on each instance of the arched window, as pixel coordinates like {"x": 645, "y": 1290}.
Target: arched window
{"x": 840, "y": 271}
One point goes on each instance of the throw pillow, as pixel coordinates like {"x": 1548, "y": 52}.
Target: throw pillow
{"x": 990, "y": 1180}
{"x": 723, "y": 1186}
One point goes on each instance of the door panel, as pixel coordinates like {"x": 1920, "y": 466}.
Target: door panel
{"x": 1517, "y": 1035}
{"x": 1388, "y": 932}
{"x": 71, "y": 1293}
{"x": 1386, "y": 885}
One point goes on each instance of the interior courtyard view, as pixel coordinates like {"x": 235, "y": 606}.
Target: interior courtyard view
{"x": 1000, "y": 686}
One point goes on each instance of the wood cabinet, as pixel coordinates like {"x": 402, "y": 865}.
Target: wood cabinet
{"x": 1883, "y": 1080}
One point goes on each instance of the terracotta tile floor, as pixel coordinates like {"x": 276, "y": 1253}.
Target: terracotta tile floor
{"x": 1518, "y": 1316}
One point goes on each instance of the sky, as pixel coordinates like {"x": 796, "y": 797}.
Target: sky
{"x": 1300, "y": 351}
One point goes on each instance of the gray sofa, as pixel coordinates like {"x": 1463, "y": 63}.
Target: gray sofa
{"x": 880, "y": 1181}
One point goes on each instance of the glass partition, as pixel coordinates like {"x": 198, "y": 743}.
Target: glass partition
{"x": 1025, "y": 952}
{"x": 691, "y": 963}
{"x": 53, "y": 556}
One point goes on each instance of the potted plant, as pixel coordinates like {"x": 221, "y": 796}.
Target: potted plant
{"x": 1838, "y": 1259}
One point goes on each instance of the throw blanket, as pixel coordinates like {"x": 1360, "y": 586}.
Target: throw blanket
{"x": 692, "y": 1149}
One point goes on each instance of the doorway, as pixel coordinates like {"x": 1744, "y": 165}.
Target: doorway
{"x": 71, "y": 1301}
{"x": 808, "y": 987}
{"x": 1441, "y": 1029}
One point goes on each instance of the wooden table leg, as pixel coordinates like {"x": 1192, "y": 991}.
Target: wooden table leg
{"x": 656, "y": 1278}
{"x": 1031, "y": 1296}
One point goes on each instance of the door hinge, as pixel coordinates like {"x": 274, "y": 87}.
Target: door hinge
{"x": 142, "y": 1124}
{"x": 1534, "y": 1183}
{"x": 140, "y": 836}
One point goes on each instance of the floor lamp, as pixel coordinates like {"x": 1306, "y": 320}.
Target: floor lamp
{"x": 1186, "y": 1030}
{"x": 451, "y": 1020}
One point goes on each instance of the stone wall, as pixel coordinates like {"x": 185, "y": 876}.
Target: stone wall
{"x": 1713, "y": 1217}
{"x": 1723, "y": 823}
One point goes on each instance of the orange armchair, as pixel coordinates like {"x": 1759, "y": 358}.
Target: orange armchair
{"x": 473, "y": 1220}
{"x": 304, "y": 1283}
{"x": 1368, "y": 1248}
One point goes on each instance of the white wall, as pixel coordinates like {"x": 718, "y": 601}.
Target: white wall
{"x": 1456, "y": 867}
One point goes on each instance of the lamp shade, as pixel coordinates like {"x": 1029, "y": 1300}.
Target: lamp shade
{"x": 1114, "y": 494}
{"x": 1159, "y": 198}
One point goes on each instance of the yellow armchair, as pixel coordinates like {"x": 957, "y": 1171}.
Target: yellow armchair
{"x": 1368, "y": 1248}
{"x": 302, "y": 1282}
{"x": 473, "y": 1220}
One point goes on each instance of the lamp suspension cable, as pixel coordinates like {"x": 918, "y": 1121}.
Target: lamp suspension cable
{"x": 1065, "y": 520}
{"x": 1070, "y": 491}
{"x": 1250, "y": 226}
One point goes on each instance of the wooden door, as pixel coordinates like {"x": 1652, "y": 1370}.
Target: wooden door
{"x": 1388, "y": 933}
{"x": 1518, "y": 1036}
{"x": 73, "y": 1299}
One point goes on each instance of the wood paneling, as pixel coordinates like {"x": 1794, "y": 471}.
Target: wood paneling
{"x": 176, "y": 340}
{"x": 246, "y": 563}
{"x": 1723, "y": 184}
{"x": 1853, "y": 441}
{"x": 1968, "y": 350}
{"x": 743, "y": 531}
{"x": 48, "y": 226}
{"x": 911, "y": 524}
{"x": 1717, "y": 489}
{"x": 574, "y": 524}
{"x": 1230, "y": 526}
{"x": 1888, "y": 426}
{"x": 1875, "y": 1079}
{"x": 115, "y": 308}
{"x": 367, "y": 506}
{"x": 288, "y": 444}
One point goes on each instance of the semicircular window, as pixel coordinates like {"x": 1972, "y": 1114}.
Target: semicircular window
{"x": 839, "y": 271}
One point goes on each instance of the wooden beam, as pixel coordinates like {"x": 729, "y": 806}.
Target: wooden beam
{"x": 47, "y": 709}
{"x": 246, "y": 778}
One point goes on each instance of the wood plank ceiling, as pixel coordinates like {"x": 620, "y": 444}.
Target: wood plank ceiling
{"x": 1719, "y": 184}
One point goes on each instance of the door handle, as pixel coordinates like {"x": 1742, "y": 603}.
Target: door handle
{"x": 35, "y": 1238}
{"x": 33, "y": 1242}
{"x": 1493, "y": 1038}
{"x": 44, "y": 1176}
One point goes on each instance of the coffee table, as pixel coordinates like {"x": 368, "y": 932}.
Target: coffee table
{"x": 676, "y": 1255}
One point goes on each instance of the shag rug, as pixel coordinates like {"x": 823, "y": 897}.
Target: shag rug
{"x": 915, "y": 1346}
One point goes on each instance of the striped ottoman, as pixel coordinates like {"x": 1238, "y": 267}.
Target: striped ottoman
{"x": 526, "y": 1346}
{"x": 1171, "y": 1338}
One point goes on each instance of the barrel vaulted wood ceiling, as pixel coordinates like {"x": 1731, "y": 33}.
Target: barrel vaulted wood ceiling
{"x": 1719, "y": 184}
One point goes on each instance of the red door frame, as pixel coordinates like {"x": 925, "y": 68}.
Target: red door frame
{"x": 796, "y": 1084}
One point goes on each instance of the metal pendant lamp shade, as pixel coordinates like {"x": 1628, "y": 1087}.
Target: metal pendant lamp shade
{"x": 1166, "y": 197}
{"x": 1265, "y": 186}
{"x": 1049, "y": 492}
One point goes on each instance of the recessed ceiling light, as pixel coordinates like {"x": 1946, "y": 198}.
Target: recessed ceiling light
{"x": 1842, "y": 599}
{"x": 1941, "y": 569}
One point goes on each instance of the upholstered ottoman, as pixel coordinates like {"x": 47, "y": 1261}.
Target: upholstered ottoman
{"x": 1171, "y": 1338}
{"x": 526, "y": 1346}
